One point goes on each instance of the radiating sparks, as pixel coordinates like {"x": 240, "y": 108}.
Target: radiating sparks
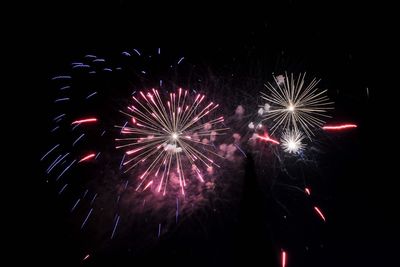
{"x": 290, "y": 103}
{"x": 177, "y": 210}
{"x": 93, "y": 199}
{"x": 166, "y": 136}
{"x": 90, "y": 95}
{"x": 88, "y": 120}
{"x": 148, "y": 184}
{"x": 62, "y": 189}
{"x": 180, "y": 60}
{"x": 54, "y": 163}
{"x": 291, "y": 141}
{"x": 48, "y": 152}
{"x": 61, "y": 99}
{"x": 66, "y": 169}
{"x": 115, "y": 227}
{"x": 76, "y": 204}
{"x": 87, "y": 218}
{"x": 77, "y": 139}
{"x": 320, "y": 213}
{"x": 59, "y": 117}
{"x": 339, "y": 127}
{"x": 241, "y": 150}
{"x": 61, "y": 77}
{"x": 65, "y": 87}
{"x": 84, "y": 194}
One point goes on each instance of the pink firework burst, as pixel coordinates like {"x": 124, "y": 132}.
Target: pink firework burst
{"x": 170, "y": 138}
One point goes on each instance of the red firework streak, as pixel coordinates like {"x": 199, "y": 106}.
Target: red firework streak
{"x": 339, "y": 127}
{"x": 87, "y": 157}
{"x": 283, "y": 258}
{"x": 87, "y": 120}
{"x": 308, "y": 191}
{"x": 266, "y": 138}
{"x": 320, "y": 213}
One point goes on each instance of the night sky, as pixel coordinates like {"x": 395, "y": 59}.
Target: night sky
{"x": 331, "y": 41}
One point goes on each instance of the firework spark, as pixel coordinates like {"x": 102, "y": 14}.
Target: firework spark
{"x": 170, "y": 135}
{"x": 88, "y": 120}
{"x": 291, "y": 141}
{"x": 266, "y": 138}
{"x": 85, "y": 158}
{"x": 339, "y": 127}
{"x": 308, "y": 191}
{"x": 320, "y": 213}
{"x": 293, "y": 104}
{"x": 86, "y": 257}
{"x": 283, "y": 259}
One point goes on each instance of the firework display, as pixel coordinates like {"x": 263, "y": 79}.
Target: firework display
{"x": 292, "y": 103}
{"x": 149, "y": 152}
{"x": 170, "y": 136}
{"x": 292, "y": 141}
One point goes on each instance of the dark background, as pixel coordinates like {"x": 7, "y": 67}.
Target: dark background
{"x": 329, "y": 39}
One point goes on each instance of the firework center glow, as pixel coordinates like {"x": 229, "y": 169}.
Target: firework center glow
{"x": 174, "y": 136}
{"x": 292, "y": 145}
{"x": 291, "y": 108}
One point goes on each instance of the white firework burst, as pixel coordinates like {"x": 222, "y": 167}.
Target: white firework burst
{"x": 291, "y": 141}
{"x": 170, "y": 138}
{"x": 294, "y": 104}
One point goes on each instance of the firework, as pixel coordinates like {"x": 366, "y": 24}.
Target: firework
{"x": 171, "y": 143}
{"x": 82, "y": 143}
{"x": 339, "y": 127}
{"x": 89, "y": 120}
{"x": 291, "y": 103}
{"x": 291, "y": 141}
{"x": 320, "y": 213}
{"x": 168, "y": 136}
{"x": 283, "y": 259}
{"x": 266, "y": 138}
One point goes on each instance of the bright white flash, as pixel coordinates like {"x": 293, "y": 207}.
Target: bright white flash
{"x": 291, "y": 141}
{"x": 174, "y": 136}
